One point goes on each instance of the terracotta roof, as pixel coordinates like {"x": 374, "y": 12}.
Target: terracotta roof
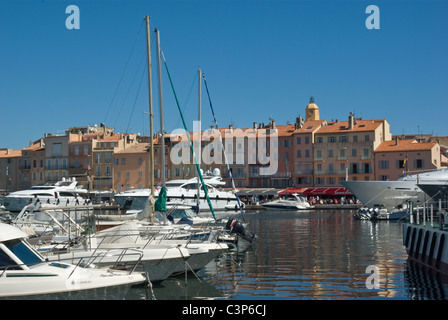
{"x": 404, "y": 145}
{"x": 9, "y": 153}
{"x": 359, "y": 126}
{"x": 138, "y": 148}
{"x": 115, "y": 137}
{"x": 35, "y": 146}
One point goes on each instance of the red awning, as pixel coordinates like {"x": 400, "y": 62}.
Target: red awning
{"x": 292, "y": 190}
{"x": 322, "y": 191}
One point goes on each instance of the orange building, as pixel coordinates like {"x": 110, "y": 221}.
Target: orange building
{"x": 397, "y": 157}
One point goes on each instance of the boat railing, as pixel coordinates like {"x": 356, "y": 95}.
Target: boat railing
{"x": 429, "y": 214}
{"x": 97, "y": 257}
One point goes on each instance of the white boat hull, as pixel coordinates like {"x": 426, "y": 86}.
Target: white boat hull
{"x": 67, "y": 285}
{"x": 389, "y": 194}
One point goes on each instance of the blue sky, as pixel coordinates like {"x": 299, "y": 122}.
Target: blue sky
{"x": 261, "y": 58}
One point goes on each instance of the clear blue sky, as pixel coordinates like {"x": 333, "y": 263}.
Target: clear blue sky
{"x": 261, "y": 58}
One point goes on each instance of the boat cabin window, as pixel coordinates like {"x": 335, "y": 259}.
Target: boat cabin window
{"x": 41, "y": 188}
{"x": 22, "y": 251}
{"x": 43, "y": 195}
{"x": 190, "y": 186}
{"x": 66, "y": 194}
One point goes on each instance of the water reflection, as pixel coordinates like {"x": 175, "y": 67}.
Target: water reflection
{"x": 310, "y": 255}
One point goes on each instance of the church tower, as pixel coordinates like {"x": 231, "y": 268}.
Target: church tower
{"x": 312, "y": 111}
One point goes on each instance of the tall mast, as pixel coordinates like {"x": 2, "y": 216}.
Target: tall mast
{"x": 151, "y": 116}
{"x": 162, "y": 130}
{"x": 199, "y": 134}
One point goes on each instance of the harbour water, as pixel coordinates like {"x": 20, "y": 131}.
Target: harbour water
{"x": 308, "y": 255}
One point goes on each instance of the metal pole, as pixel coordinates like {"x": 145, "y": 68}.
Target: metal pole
{"x": 432, "y": 218}
{"x": 151, "y": 116}
{"x": 199, "y": 133}
{"x": 162, "y": 130}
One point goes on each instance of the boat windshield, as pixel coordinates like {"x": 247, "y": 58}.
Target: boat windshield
{"x": 21, "y": 250}
{"x": 181, "y": 213}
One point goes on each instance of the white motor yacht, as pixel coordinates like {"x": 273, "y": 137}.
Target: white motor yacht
{"x": 62, "y": 193}
{"x": 24, "y": 273}
{"x": 294, "y": 202}
{"x": 183, "y": 192}
{"x": 393, "y": 194}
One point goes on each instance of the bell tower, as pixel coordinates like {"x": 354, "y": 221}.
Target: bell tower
{"x": 311, "y": 111}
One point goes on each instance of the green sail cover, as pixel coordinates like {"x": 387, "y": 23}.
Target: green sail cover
{"x": 160, "y": 205}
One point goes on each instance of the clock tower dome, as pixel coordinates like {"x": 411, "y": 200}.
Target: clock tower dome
{"x": 312, "y": 111}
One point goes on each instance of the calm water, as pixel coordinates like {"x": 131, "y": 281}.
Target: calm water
{"x": 308, "y": 255}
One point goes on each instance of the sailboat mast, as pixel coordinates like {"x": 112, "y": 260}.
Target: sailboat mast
{"x": 199, "y": 134}
{"x": 151, "y": 116}
{"x": 162, "y": 130}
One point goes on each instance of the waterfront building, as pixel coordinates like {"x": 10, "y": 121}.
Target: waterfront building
{"x": 131, "y": 168}
{"x": 10, "y": 169}
{"x": 103, "y": 150}
{"x": 302, "y": 164}
{"x": 56, "y": 157}
{"x": 345, "y": 150}
{"x": 33, "y": 164}
{"x": 398, "y": 157}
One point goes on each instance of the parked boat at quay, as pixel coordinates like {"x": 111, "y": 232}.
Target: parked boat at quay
{"x": 391, "y": 194}
{"x": 122, "y": 247}
{"x": 24, "y": 273}
{"x": 182, "y": 192}
{"x": 293, "y": 202}
{"x": 62, "y": 193}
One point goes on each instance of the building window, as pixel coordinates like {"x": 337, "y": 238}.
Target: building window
{"x": 307, "y": 140}
{"x": 343, "y": 139}
{"x": 419, "y": 164}
{"x": 331, "y": 139}
{"x": 330, "y": 153}
{"x": 299, "y": 153}
{"x": 319, "y": 140}
{"x": 307, "y": 153}
{"x": 355, "y": 138}
{"x": 384, "y": 164}
{"x": 57, "y": 149}
{"x": 299, "y": 140}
